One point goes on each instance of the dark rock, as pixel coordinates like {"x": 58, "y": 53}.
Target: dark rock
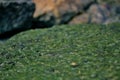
{"x": 15, "y": 16}
{"x": 118, "y": 10}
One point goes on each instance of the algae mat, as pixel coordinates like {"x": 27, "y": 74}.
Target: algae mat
{"x": 76, "y": 52}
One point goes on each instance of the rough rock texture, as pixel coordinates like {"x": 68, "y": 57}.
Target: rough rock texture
{"x": 15, "y": 16}
{"x": 60, "y": 11}
{"x": 20, "y": 15}
{"x": 95, "y": 14}
{"x": 77, "y": 11}
{"x": 115, "y": 14}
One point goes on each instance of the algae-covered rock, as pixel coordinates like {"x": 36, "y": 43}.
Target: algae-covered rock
{"x": 15, "y": 15}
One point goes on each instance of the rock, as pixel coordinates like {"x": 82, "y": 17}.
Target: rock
{"x": 74, "y": 11}
{"x": 74, "y": 64}
{"x": 117, "y": 9}
{"x": 115, "y": 14}
{"x": 60, "y": 11}
{"x": 97, "y": 13}
{"x": 19, "y": 15}
{"x": 83, "y": 18}
{"x": 15, "y": 16}
{"x": 111, "y": 2}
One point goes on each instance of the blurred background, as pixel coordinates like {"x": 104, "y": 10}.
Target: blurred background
{"x": 30, "y": 14}
{"x": 78, "y": 11}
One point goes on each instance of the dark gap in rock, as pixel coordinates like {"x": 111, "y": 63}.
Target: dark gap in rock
{"x": 88, "y": 6}
{"x": 41, "y": 24}
{"x": 9, "y": 34}
{"x": 35, "y": 25}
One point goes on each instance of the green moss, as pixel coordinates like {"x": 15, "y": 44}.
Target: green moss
{"x": 49, "y": 54}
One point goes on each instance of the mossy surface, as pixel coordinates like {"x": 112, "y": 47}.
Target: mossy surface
{"x": 76, "y": 52}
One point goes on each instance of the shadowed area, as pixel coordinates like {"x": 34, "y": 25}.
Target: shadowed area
{"x": 35, "y": 24}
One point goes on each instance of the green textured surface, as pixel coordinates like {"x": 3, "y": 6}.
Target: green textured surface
{"x": 77, "y": 52}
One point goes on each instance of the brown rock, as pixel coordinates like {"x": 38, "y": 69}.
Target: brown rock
{"x": 61, "y": 10}
{"x": 43, "y": 6}
{"x": 96, "y": 14}
{"x": 83, "y": 18}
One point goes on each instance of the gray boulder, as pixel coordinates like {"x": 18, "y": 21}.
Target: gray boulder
{"x": 15, "y": 16}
